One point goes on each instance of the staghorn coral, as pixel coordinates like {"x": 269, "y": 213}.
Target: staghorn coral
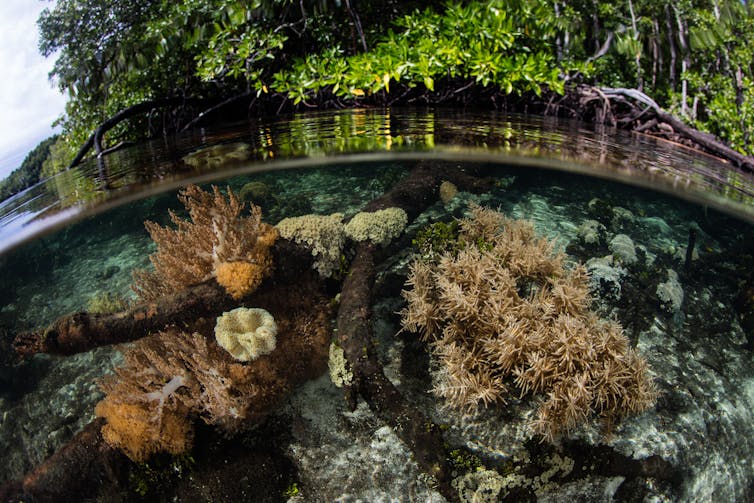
{"x": 502, "y": 311}
{"x": 324, "y": 235}
{"x": 246, "y": 333}
{"x": 167, "y": 379}
{"x": 215, "y": 242}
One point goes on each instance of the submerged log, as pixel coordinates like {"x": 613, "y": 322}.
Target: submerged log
{"x": 82, "y": 331}
{"x": 73, "y": 472}
{"x": 419, "y": 433}
{"x": 424, "y": 438}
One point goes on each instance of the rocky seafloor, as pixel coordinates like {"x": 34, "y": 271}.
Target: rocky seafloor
{"x": 683, "y": 315}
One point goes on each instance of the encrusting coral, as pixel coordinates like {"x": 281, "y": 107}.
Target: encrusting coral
{"x": 322, "y": 234}
{"x": 217, "y": 241}
{"x": 380, "y": 226}
{"x": 502, "y": 311}
{"x": 246, "y": 333}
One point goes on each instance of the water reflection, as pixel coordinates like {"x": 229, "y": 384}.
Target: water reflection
{"x": 248, "y": 147}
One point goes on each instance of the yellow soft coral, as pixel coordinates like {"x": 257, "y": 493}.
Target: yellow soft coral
{"x": 239, "y": 278}
{"x": 140, "y": 431}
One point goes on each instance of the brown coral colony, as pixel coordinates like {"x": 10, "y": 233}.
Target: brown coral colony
{"x": 506, "y": 312}
{"x": 217, "y": 241}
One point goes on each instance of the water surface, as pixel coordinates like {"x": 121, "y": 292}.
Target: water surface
{"x": 78, "y": 238}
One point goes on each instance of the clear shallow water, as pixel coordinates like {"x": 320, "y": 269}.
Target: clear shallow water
{"x": 699, "y": 351}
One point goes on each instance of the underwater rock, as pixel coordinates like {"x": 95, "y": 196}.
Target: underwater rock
{"x": 670, "y": 293}
{"x": 623, "y": 249}
{"x": 260, "y": 194}
{"x": 622, "y": 218}
{"x": 605, "y": 277}
{"x": 600, "y": 210}
{"x": 345, "y": 455}
{"x": 58, "y": 401}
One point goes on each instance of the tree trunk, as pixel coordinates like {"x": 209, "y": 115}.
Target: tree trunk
{"x": 685, "y": 62}
{"x": 672, "y": 48}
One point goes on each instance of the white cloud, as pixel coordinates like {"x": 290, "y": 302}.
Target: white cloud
{"x": 29, "y": 102}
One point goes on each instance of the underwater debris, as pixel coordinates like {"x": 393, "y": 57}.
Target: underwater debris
{"x": 217, "y": 242}
{"x": 504, "y": 311}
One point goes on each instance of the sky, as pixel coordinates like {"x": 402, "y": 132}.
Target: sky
{"x": 29, "y": 102}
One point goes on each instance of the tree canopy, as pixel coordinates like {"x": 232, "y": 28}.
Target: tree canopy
{"x": 693, "y": 56}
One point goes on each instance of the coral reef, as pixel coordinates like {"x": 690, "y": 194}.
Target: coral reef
{"x": 379, "y": 227}
{"x": 165, "y": 379}
{"x": 217, "y": 241}
{"x": 170, "y": 379}
{"x": 623, "y": 249}
{"x": 323, "y": 235}
{"x": 504, "y": 311}
{"x": 246, "y": 333}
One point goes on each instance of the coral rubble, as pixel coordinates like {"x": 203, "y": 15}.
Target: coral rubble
{"x": 217, "y": 242}
{"x": 503, "y": 311}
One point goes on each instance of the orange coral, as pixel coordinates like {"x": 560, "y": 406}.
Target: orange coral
{"x": 166, "y": 381}
{"x": 505, "y": 309}
{"x": 239, "y": 278}
{"x": 140, "y": 431}
{"x": 216, "y": 233}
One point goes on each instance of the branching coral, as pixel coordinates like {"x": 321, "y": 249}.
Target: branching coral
{"x": 502, "y": 310}
{"x": 217, "y": 242}
{"x": 166, "y": 380}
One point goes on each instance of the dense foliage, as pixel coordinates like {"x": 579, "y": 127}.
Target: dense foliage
{"x": 694, "y": 57}
{"x": 29, "y": 172}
